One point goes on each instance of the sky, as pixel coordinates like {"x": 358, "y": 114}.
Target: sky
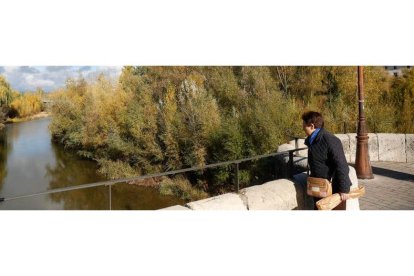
{"x": 49, "y": 78}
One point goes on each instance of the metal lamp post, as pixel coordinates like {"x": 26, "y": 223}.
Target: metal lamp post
{"x": 362, "y": 162}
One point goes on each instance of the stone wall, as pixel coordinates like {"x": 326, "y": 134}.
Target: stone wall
{"x": 282, "y": 194}
{"x": 409, "y": 147}
{"x": 387, "y": 147}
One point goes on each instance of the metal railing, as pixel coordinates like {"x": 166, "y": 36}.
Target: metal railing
{"x": 109, "y": 183}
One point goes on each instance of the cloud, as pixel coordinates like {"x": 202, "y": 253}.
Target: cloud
{"x": 28, "y": 69}
{"x": 85, "y": 68}
{"x": 38, "y": 82}
{"x": 57, "y": 68}
{"x": 49, "y": 78}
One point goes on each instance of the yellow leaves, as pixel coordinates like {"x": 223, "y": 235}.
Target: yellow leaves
{"x": 197, "y": 78}
{"x": 182, "y": 188}
{"x": 116, "y": 169}
{"x": 27, "y": 104}
{"x": 6, "y": 94}
{"x": 163, "y": 118}
{"x": 170, "y": 99}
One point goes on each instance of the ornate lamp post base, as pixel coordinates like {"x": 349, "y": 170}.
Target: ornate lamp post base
{"x": 362, "y": 162}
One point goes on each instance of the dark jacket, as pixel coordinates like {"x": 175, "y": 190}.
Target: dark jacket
{"x": 327, "y": 159}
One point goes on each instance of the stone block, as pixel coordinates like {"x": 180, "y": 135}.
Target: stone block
{"x": 409, "y": 147}
{"x": 175, "y": 208}
{"x": 373, "y": 147}
{"x": 391, "y": 147}
{"x": 228, "y": 201}
{"x": 346, "y": 145}
{"x": 352, "y": 145}
{"x": 274, "y": 195}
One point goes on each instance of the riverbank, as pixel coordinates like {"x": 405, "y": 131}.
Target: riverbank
{"x": 40, "y": 115}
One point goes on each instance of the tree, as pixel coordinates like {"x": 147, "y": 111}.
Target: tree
{"x": 5, "y": 92}
{"x": 200, "y": 118}
{"x": 402, "y": 95}
{"x": 170, "y": 122}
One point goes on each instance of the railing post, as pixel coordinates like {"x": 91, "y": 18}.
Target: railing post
{"x": 296, "y": 142}
{"x": 237, "y": 178}
{"x": 276, "y": 167}
{"x": 291, "y": 164}
{"x": 110, "y": 197}
{"x": 344, "y": 127}
{"x": 122, "y": 180}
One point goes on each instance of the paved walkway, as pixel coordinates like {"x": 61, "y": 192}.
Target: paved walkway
{"x": 391, "y": 189}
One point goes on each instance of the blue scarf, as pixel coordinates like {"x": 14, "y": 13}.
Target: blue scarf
{"x": 313, "y": 135}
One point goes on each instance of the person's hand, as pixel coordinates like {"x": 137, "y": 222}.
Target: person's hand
{"x": 345, "y": 196}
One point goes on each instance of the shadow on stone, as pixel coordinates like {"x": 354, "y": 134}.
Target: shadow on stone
{"x": 393, "y": 174}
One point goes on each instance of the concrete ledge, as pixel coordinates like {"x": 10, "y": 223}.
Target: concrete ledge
{"x": 279, "y": 194}
{"x": 391, "y": 147}
{"x": 228, "y": 201}
{"x": 409, "y": 144}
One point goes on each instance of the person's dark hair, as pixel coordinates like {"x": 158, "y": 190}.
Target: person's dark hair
{"x": 312, "y": 117}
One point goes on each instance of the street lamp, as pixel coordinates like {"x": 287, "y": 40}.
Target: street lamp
{"x": 362, "y": 162}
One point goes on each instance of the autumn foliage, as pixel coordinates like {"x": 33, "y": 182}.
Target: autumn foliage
{"x": 156, "y": 119}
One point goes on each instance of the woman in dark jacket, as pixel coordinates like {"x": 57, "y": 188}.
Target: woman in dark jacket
{"x": 326, "y": 156}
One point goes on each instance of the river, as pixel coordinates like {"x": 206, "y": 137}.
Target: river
{"x": 30, "y": 162}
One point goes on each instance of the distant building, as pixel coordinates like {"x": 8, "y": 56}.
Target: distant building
{"x": 396, "y": 70}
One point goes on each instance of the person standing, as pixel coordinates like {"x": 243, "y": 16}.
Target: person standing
{"x": 326, "y": 156}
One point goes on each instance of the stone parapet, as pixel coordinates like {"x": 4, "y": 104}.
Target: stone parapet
{"x": 281, "y": 194}
{"x": 391, "y": 147}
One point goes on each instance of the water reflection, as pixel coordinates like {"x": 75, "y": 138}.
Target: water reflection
{"x": 124, "y": 196}
{"x": 30, "y": 163}
{"x": 132, "y": 197}
{"x": 27, "y": 151}
{"x": 68, "y": 170}
{"x": 4, "y": 148}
